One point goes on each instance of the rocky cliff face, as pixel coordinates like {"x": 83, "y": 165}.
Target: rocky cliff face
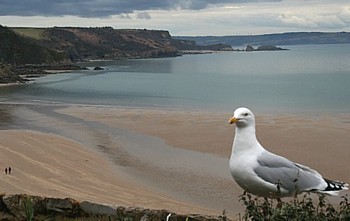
{"x": 24, "y": 207}
{"x": 8, "y": 74}
{"x": 108, "y": 43}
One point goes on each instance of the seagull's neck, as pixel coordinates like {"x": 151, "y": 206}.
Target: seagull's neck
{"x": 245, "y": 140}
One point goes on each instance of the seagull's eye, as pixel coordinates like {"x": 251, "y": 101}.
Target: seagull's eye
{"x": 245, "y": 114}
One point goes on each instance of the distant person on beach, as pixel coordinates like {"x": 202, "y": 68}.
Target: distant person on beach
{"x": 8, "y": 170}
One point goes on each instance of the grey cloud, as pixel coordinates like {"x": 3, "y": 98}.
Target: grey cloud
{"x": 143, "y": 15}
{"x": 101, "y": 8}
{"x": 124, "y": 16}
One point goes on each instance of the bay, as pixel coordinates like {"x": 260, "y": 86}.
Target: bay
{"x": 306, "y": 78}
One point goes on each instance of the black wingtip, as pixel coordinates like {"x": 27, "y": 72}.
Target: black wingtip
{"x": 335, "y": 185}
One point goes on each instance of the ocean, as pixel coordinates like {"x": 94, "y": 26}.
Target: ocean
{"x": 306, "y": 78}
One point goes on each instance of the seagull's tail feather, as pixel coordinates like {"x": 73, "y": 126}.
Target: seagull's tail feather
{"x": 333, "y": 187}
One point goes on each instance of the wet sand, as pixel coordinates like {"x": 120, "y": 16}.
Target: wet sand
{"x": 168, "y": 159}
{"x": 50, "y": 165}
{"x": 321, "y": 141}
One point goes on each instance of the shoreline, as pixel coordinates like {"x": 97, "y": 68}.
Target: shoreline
{"x": 10, "y": 84}
{"x": 181, "y": 156}
{"x": 26, "y": 73}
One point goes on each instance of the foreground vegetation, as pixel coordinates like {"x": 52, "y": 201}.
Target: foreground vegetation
{"x": 21, "y": 207}
{"x": 306, "y": 208}
{"x": 302, "y": 208}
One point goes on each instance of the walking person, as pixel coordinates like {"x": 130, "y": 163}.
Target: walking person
{"x": 6, "y": 170}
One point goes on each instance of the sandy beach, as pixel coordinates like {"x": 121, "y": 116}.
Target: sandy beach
{"x": 50, "y": 165}
{"x": 156, "y": 158}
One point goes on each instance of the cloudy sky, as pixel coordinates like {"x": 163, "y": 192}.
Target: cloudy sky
{"x": 183, "y": 17}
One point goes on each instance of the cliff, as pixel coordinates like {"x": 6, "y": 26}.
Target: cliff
{"x": 95, "y": 43}
{"x": 23, "y": 207}
{"x": 108, "y": 43}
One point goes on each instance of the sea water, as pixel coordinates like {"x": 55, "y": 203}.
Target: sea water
{"x": 306, "y": 78}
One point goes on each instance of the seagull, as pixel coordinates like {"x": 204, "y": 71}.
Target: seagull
{"x": 266, "y": 174}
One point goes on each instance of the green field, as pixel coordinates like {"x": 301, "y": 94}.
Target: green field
{"x": 36, "y": 33}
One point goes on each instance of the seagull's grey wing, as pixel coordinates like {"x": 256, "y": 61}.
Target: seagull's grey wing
{"x": 290, "y": 176}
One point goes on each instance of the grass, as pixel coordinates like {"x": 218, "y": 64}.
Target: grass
{"x": 259, "y": 209}
{"x": 36, "y": 33}
{"x": 27, "y": 207}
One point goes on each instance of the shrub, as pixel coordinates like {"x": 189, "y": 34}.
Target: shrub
{"x": 262, "y": 209}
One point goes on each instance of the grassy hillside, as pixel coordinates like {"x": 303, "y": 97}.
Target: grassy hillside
{"x": 102, "y": 43}
{"x": 18, "y": 50}
{"x": 35, "y": 33}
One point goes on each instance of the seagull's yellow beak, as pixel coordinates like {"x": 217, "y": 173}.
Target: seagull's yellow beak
{"x": 233, "y": 120}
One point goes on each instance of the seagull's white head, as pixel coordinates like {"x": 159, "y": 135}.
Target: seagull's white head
{"x": 242, "y": 117}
